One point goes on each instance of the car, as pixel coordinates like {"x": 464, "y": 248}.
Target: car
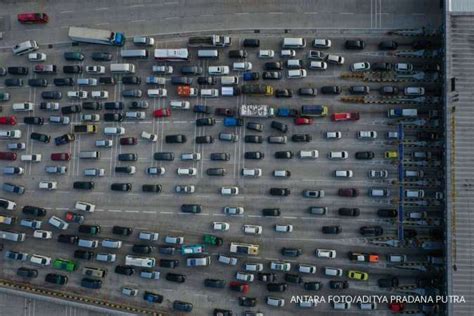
{"x": 20, "y": 70}
{"x": 84, "y": 185}
{"x": 72, "y": 217}
{"x": 216, "y": 172}
{"x": 315, "y": 194}
{"x": 155, "y": 170}
{"x": 321, "y": 43}
{"x": 40, "y": 137}
{"x": 293, "y": 278}
{"x": 251, "y": 42}
{"x": 70, "y": 109}
{"x": 220, "y": 226}
{"x": 175, "y": 139}
{"x": 271, "y": 75}
{"x": 363, "y": 257}
{"x": 191, "y": 208}
{"x": 391, "y": 154}
{"x": 83, "y": 254}
{"x": 206, "y": 80}
{"x": 51, "y": 95}
{"x": 192, "y": 70}
{"x": 358, "y": 275}
{"x": 16, "y": 146}
{"x": 378, "y": 174}
{"x": 72, "y": 69}
{"x": 254, "y": 155}
{"x": 152, "y": 297}
{"x": 60, "y": 156}
{"x": 359, "y": 90}
{"x": 239, "y": 287}
{"x": 371, "y": 231}
{"x": 42, "y": 234}
{"x": 27, "y": 273}
{"x": 303, "y": 121}
{"x": 8, "y": 120}
{"x": 253, "y": 139}
{"x": 275, "y": 287}
{"x": 125, "y": 270}
{"x": 162, "y": 69}
{"x": 37, "y": 82}
{"x": 57, "y": 279}
{"x": 283, "y": 155}
{"x": 330, "y": 90}
{"x": 381, "y": 67}
{"x": 291, "y": 252}
{"x": 307, "y": 92}
{"x": 124, "y": 187}
{"x": 229, "y": 190}
{"x": 427, "y": 136}
{"x": 348, "y": 192}
{"x": 214, "y": 283}
{"x": 206, "y": 121}
{"x": 403, "y": 68}
{"x": 354, "y": 44}
{"x": 250, "y": 76}
{"x": 185, "y": 189}
{"x": 247, "y": 301}
{"x": 388, "y": 45}
{"x": 64, "y": 139}
{"x": 283, "y": 93}
{"x": 126, "y": 141}
{"x": 127, "y": 157}
{"x": 364, "y": 155}
{"x": 33, "y": 120}
{"x": 206, "y": 139}
{"x": 334, "y": 229}
{"x": 338, "y": 285}
{"x": 266, "y": 53}
{"x": 141, "y": 249}
{"x": 175, "y": 277}
{"x": 220, "y": 156}
{"x": 280, "y": 266}
{"x": 388, "y": 282}
{"x": 360, "y": 67}
{"x": 182, "y": 306}
{"x": 279, "y": 191}
{"x": 233, "y": 210}
{"x": 101, "y": 56}
{"x": 8, "y": 156}
{"x": 13, "y": 82}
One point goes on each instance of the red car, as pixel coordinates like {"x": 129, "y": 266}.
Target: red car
{"x": 345, "y": 116}
{"x": 396, "y": 307}
{"x": 72, "y": 217}
{"x": 162, "y": 113}
{"x": 61, "y": 156}
{"x": 30, "y": 18}
{"x": 303, "y": 121}
{"x": 128, "y": 141}
{"x": 6, "y": 155}
{"x": 8, "y": 120}
{"x": 239, "y": 287}
{"x": 350, "y": 192}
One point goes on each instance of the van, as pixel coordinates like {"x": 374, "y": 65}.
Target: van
{"x": 114, "y": 130}
{"x": 198, "y": 261}
{"x": 25, "y": 47}
{"x": 332, "y": 271}
{"x": 94, "y": 172}
{"x": 12, "y": 236}
{"x": 89, "y": 155}
{"x": 294, "y": 64}
{"x": 379, "y": 192}
{"x": 209, "y": 93}
{"x": 86, "y": 81}
{"x": 40, "y": 260}
{"x": 22, "y": 107}
{"x": 140, "y": 262}
{"x": 86, "y": 243}
{"x": 93, "y": 272}
{"x": 230, "y": 91}
{"x": 293, "y": 42}
{"x": 208, "y": 53}
{"x": 106, "y": 257}
{"x": 229, "y": 80}
{"x": 335, "y": 59}
{"x": 242, "y": 66}
{"x": 108, "y": 243}
{"x": 297, "y": 73}
{"x": 122, "y": 68}
{"x": 134, "y": 53}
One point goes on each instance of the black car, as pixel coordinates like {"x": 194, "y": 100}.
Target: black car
{"x": 388, "y": 282}
{"x": 122, "y": 231}
{"x": 125, "y": 270}
{"x": 254, "y": 139}
{"x": 251, "y": 42}
{"x": 131, "y": 80}
{"x": 359, "y": 90}
{"x": 51, "y": 95}
{"x": 72, "y": 69}
{"x": 216, "y": 172}
{"x": 70, "y": 109}
{"x": 291, "y": 252}
{"x": 206, "y": 139}
{"x": 101, "y": 56}
{"x": 283, "y": 93}
{"x": 364, "y": 155}
{"x": 313, "y": 286}
{"x": 91, "y": 283}
{"x": 330, "y": 90}
{"x": 255, "y": 155}
{"x": 33, "y": 120}
{"x": 63, "y": 82}
{"x": 89, "y": 229}
{"x": 371, "y": 231}
{"x": 266, "y": 276}
{"x": 27, "y": 273}
{"x": 422, "y": 44}
{"x": 206, "y": 80}
{"x": 34, "y": 211}
{"x": 175, "y": 139}
{"x": 224, "y": 112}
{"x": 106, "y": 80}
{"x": 338, "y": 285}
{"x": 333, "y": 229}
{"x": 166, "y": 250}
{"x": 427, "y": 136}
{"x": 68, "y": 239}
{"x": 40, "y": 137}
{"x": 347, "y": 211}
{"x": 247, "y": 301}
{"x": 206, "y": 121}
{"x": 23, "y": 71}
{"x": 214, "y": 283}
{"x": 57, "y": 279}
{"x": 124, "y": 187}
{"x": 153, "y": 297}
{"x": 355, "y": 44}
{"x": 182, "y": 306}
{"x": 74, "y": 56}
{"x": 64, "y": 139}
{"x": 37, "y": 82}
{"x": 279, "y": 126}
{"x": 191, "y": 70}
{"x": 381, "y": 67}
{"x": 178, "y": 80}
{"x": 220, "y": 156}
{"x": 301, "y": 138}
{"x": 284, "y": 155}
{"x": 199, "y": 108}
{"x": 152, "y": 188}
{"x": 276, "y": 287}
{"x": 92, "y": 105}
{"x": 83, "y": 254}
{"x": 168, "y": 263}
{"x": 271, "y": 75}
{"x": 273, "y": 65}
{"x": 307, "y": 92}
{"x": 271, "y": 212}
{"x": 293, "y": 278}
{"x": 238, "y": 53}
{"x": 138, "y": 105}
{"x": 279, "y": 191}
{"x": 127, "y": 157}
{"x": 113, "y": 105}
{"x": 175, "y": 277}
{"x": 83, "y": 185}
{"x": 113, "y": 117}
{"x": 250, "y": 76}
{"x": 132, "y": 93}
{"x": 387, "y": 213}
{"x": 142, "y": 249}
{"x": 388, "y": 45}
{"x": 255, "y": 126}
{"x": 191, "y": 208}
{"x": 13, "y": 82}
{"x": 163, "y": 156}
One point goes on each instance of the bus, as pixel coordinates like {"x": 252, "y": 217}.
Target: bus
{"x": 314, "y": 110}
{"x": 64, "y": 264}
{"x": 245, "y": 249}
{"x": 178, "y": 54}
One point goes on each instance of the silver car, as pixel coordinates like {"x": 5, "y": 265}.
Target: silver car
{"x": 56, "y": 169}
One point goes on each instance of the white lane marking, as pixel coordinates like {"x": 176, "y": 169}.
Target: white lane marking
{"x": 66, "y": 11}
{"x": 100, "y": 9}
{"x": 62, "y": 208}
{"x": 115, "y": 211}
{"x": 131, "y": 211}
{"x": 149, "y": 212}
{"x": 163, "y": 212}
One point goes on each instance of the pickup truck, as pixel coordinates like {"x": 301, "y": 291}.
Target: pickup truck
{"x": 212, "y": 240}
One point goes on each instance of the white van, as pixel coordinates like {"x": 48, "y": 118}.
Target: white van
{"x": 122, "y": 68}
{"x": 134, "y": 53}
{"x": 251, "y": 172}
{"x": 293, "y": 42}
{"x": 198, "y": 261}
{"x": 242, "y": 66}
{"x": 229, "y": 80}
{"x": 140, "y": 262}
{"x": 40, "y": 260}
{"x": 208, "y": 53}
{"x": 209, "y": 93}
{"x": 88, "y": 243}
{"x": 229, "y": 91}
{"x": 109, "y": 243}
{"x": 329, "y": 271}
{"x": 33, "y": 158}
{"x": 25, "y": 47}
{"x": 218, "y": 70}
{"x": 89, "y": 155}
{"x": 296, "y": 73}
{"x": 114, "y": 130}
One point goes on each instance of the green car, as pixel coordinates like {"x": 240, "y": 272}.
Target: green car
{"x": 212, "y": 240}
{"x": 66, "y": 265}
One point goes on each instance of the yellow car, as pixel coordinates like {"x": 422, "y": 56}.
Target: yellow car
{"x": 358, "y": 275}
{"x": 391, "y": 154}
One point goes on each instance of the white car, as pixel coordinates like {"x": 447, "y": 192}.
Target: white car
{"x": 251, "y": 172}
{"x": 380, "y": 174}
{"x": 296, "y": 73}
{"x": 36, "y": 56}
{"x": 280, "y": 266}
{"x": 283, "y": 228}
{"x": 84, "y": 206}
{"x": 90, "y": 117}
{"x": 49, "y": 106}
{"x": 33, "y": 158}
{"x": 7, "y": 204}
{"x": 40, "y": 260}
{"x": 306, "y": 268}
{"x": 94, "y": 172}
{"x": 343, "y": 173}
{"x": 275, "y": 301}
{"x": 42, "y": 234}
{"x": 95, "y": 70}
{"x": 107, "y": 143}
{"x": 161, "y": 69}
{"x": 183, "y": 105}
{"x": 253, "y": 267}
{"x": 58, "y": 119}
{"x": 403, "y": 67}
{"x": 266, "y": 53}
{"x": 157, "y": 93}
{"x": 114, "y": 130}
{"x": 326, "y": 253}
{"x": 227, "y": 260}
{"x": 191, "y": 156}
{"x": 367, "y": 135}
{"x": 318, "y": 65}
{"x": 220, "y": 226}
{"x": 288, "y": 53}
{"x": 150, "y": 236}
{"x": 143, "y": 41}
{"x": 414, "y": 91}
{"x": 86, "y": 82}
{"x": 154, "y": 171}
{"x": 338, "y": 155}
{"x": 360, "y": 67}
{"x": 218, "y": 70}
{"x": 15, "y": 133}
{"x": 187, "y": 171}
{"x": 252, "y": 229}
{"x": 100, "y": 94}
{"x": 77, "y": 94}
{"x": 321, "y": 43}
{"x": 333, "y": 135}
{"x": 229, "y": 190}
{"x": 135, "y": 115}
{"x": 234, "y": 210}
{"x": 308, "y": 154}
{"x": 148, "y": 136}
{"x": 175, "y": 240}
{"x": 246, "y": 277}
{"x": 48, "y": 185}
{"x": 185, "y": 189}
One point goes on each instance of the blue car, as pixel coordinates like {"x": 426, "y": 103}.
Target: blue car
{"x": 152, "y": 297}
{"x": 286, "y": 112}
{"x": 232, "y": 121}
{"x": 251, "y": 76}
{"x": 199, "y": 108}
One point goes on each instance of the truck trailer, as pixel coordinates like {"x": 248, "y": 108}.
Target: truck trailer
{"x": 96, "y": 36}
{"x": 209, "y": 41}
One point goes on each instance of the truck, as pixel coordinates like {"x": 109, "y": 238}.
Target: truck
{"x": 245, "y": 249}
{"x": 398, "y": 112}
{"x": 96, "y": 36}
{"x": 233, "y": 122}
{"x": 287, "y": 112}
{"x": 212, "y": 240}
{"x": 89, "y": 128}
{"x": 210, "y": 41}
{"x": 314, "y": 110}
{"x": 257, "y": 89}
{"x": 187, "y": 91}
{"x": 256, "y": 110}
{"x": 177, "y": 54}
{"x": 345, "y": 116}
{"x": 192, "y": 249}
